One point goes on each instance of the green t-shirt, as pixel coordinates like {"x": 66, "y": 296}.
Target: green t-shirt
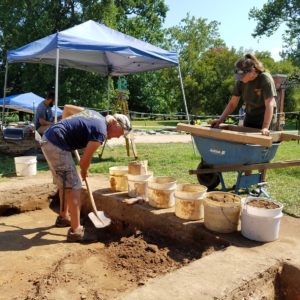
{"x": 253, "y": 94}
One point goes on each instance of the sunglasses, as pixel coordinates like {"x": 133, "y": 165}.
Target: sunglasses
{"x": 242, "y": 72}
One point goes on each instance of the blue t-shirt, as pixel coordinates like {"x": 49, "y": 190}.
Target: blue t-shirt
{"x": 42, "y": 111}
{"x": 76, "y": 131}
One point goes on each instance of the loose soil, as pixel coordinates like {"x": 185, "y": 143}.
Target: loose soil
{"x": 263, "y": 204}
{"x": 36, "y": 262}
{"x": 224, "y": 198}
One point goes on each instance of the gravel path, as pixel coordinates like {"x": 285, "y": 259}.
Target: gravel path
{"x": 154, "y": 139}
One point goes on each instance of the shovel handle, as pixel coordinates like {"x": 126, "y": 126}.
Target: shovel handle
{"x": 89, "y": 191}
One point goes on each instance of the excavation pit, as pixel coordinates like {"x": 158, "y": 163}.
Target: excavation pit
{"x": 146, "y": 254}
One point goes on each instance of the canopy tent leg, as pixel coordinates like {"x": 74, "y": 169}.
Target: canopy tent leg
{"x": 4, "y": 93}
{"x": 108, "y": 91}
{"x": 185, "y": 105}
{"x": 56, "y": 85}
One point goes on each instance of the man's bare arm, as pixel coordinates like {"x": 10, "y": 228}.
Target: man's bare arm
{"x": 70, "y": 110}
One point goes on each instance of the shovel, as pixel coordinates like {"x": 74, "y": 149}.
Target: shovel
{"x": 97, "y": 217}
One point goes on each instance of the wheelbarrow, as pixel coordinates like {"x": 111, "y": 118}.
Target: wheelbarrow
{"x": 217, "y": 153}
{"x": 239, "y": 149}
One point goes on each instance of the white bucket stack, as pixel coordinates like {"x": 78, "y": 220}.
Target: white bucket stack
{"x": 189, "y": 201}
{"x": 137, "y": 186}
{"x": 138, "y": 177}
{"x": 25, "y": 165}
{"x": 161, "y": 191}
{"x": 261, "y": 223}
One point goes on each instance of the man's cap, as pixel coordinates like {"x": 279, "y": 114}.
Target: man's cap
{"x": 124, "y": 122}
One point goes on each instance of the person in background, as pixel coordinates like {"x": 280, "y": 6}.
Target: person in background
{"x": 79, "y": 128}
{"x": 257, "y": 89}
{"x": 43, "y": 115}
{"x": 242, "y": 114}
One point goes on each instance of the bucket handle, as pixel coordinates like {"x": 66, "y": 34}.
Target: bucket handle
{"x": 228, "y": 220}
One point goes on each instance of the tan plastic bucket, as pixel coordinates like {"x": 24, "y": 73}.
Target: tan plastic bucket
{"x": 25, "y": 165}
{"x": 161, "y": 191}
{"x": 189, "y": 201}
{"x": 118, "y": 178}
{"x": 222, "y": 211}
{"x": 138, "y": 167}
{"x": 137, "y": 185}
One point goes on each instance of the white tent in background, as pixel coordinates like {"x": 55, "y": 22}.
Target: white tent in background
{"x": 94, "y": 47}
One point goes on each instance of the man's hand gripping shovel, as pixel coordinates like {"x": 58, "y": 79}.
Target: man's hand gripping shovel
{"x": 97, "y": 217}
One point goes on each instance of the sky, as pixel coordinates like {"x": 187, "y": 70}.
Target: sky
{"x": 235, "y": 28}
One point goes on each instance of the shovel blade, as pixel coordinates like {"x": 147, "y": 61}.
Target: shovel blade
{"x": 99, "y": 220}
{"x": 37, "y": 136}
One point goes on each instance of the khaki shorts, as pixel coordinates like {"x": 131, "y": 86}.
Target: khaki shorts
{"x": 62, "y": 166}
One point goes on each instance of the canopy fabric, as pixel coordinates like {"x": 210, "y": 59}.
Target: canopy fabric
{"x": 27, "y": 102}
{"x": 94, "y": 47}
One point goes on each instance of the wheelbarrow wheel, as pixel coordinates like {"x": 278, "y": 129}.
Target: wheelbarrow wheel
{"x": 210, "y": 180}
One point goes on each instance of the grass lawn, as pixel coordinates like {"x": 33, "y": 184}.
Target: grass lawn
{"x": 177, "y": 159}
{"x": 290, "y": 124}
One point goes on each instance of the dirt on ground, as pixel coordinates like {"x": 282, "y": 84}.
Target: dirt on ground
{"x": 37, "y": 263}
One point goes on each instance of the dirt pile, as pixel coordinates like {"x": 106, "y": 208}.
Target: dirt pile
{"x": 106, "y": 271}
{"x": 145, "y": 256}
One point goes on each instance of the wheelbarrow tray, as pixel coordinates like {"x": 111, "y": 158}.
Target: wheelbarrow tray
{"x": 215, "y": 152}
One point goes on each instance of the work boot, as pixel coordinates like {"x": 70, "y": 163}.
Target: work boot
{"x": 82, "y": 235}
{"x": 62, "y": 222}
{"x": 75, "y": 236}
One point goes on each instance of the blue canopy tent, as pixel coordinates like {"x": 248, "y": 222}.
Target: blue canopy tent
{"x": 94, "y": 47}
{"x": 27, "y": 102}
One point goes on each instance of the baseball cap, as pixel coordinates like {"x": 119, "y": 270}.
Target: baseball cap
{"x": 124, "y": 122}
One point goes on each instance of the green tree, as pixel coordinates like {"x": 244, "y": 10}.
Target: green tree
{"x": 206, "y": 64}
{"x": 272, "y": 15}
{"x": 24, "y": 21}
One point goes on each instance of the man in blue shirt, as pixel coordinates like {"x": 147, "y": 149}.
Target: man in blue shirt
{"x": 80, "y": 128}
{"x": 43, "y": 114}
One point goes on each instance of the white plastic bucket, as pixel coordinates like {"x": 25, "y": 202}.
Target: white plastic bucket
{"x": 189, "y": 201}
{"x": 221, "y": 216}
{"x": 160, "y": 191}
{"x": 137, "y": 185}
{"x": 260, "y": 229}
{"x": 118, "y": 178}
{"x": 25, "y": 165}
{"x": 259, "y": 223}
